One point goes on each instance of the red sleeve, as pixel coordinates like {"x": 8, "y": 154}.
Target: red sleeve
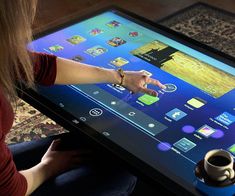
{"x": 12, "y": 183}
{"x": 44, "y": 68}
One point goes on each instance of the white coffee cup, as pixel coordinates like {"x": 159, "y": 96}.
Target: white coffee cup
{"x": 218, "y": 164}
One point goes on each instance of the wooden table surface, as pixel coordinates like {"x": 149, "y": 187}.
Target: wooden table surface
{"x": 53, "y": 12}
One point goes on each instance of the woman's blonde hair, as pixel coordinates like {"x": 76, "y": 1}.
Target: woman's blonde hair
{"x": 16, "y": 17}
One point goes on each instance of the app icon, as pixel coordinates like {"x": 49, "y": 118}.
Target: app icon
{"x": 78, "y": 58}
{"x": 184, "y": 145}
{"x": 116, "y": 41}
{"x": 151, "y": 125}
{"x": 196, "y": 102}
{"x": 170, "y": 88}
{"x": 96, "y": 92}
{"x": 148, "y": 99}
{"x": 119, "y": 87}
{"x": 56, "y": 48}
{"x": 95, "y": 32}
{"x": 96, "y": 112}
{"x": 226, "y": 118}
{"x": 133, "y": 34}
{"x": 176, "y": 114}
{"x": 206, "y": 131}
{"x": 232, "y": 149}
{"x": 113, "y": 103}
{"x": 131, "y": 113}
{"x": 113, "y": 24}
{"x": 82, "y": 118}
{"x": 119, "y": 61}
{"x": 76, "y": 39}
{"x": 96, "y": 51}
{"x": 105, "y": 133}
{"x": 146, "y": 73}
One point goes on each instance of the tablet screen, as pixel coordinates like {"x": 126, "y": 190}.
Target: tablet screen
{"x": 171, "y": 132}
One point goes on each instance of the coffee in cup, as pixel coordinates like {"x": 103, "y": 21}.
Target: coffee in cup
{"x": 218, "y": 164}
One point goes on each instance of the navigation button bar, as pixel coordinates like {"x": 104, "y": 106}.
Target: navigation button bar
{"x": 120, "y": 107}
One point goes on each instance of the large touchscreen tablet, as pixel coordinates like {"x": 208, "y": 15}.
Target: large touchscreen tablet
{"x": 170, "y": 133}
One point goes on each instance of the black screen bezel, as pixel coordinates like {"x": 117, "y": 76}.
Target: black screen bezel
{"x": 67, "y": 120}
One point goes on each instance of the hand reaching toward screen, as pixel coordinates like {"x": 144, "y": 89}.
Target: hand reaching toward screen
{"x": 72, "y": 72}
{"x": 137, "y": 81}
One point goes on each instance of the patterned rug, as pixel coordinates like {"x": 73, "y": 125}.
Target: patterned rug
{"x": 209, "y": 25}
{"x": 206, "y": 24}
{"x": 30, "y": 124}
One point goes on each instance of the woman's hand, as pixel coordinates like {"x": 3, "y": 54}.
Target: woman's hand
{"x": 53, "y": 163}
{"x": 59, "y": 161}
{"x": 137, "y": 81}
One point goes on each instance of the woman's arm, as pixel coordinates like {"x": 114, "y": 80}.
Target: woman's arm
{"x": 35, "y": 176}
{"x": 71, "y": 72}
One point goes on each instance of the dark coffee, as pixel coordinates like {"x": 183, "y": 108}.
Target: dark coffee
{"x": 218, "y": 160}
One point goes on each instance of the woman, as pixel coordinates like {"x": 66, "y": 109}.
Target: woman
{"x": 57, "y": 172}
